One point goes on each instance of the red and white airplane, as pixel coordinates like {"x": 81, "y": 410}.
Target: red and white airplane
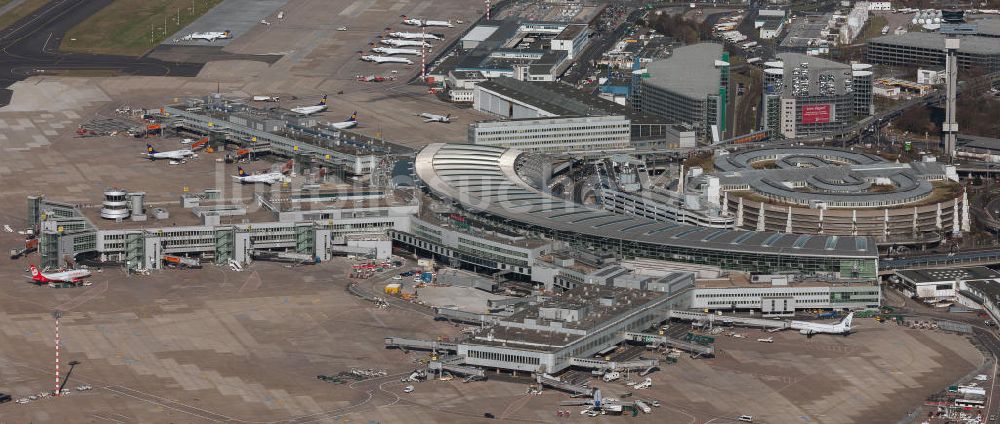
{"x": 71, "y": 276}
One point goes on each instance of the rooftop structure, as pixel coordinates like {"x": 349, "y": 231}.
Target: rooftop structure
{"x": 834, "y": 191}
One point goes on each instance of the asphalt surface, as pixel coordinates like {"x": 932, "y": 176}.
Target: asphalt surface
{"x": 29, "y": 47}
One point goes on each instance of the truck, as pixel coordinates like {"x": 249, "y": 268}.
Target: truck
{"x": 643, "y": 407}
{"x": 427, "y": 276}
{"x": 180, "y": 261}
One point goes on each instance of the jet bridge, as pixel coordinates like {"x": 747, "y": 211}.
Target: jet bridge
{"x": 555, "y": 383}
{"x": 400, "y": 342}
{"x": 692, "y": 348}
{"x": 727, "y": 320}
{"x": 600, "y": 364}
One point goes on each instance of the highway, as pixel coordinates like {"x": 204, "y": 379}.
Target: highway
{"x": 29, "y": 47}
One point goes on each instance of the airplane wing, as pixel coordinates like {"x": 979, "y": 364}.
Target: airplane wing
{"x": 428, "y": 120}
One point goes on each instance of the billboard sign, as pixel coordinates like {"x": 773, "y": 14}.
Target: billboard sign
{"x": 817, "y": 114}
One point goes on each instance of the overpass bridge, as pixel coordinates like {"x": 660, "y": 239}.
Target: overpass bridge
{"x": 984, "y": 257}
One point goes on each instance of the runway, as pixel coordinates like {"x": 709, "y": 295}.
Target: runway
{"x": 30, "y": 47}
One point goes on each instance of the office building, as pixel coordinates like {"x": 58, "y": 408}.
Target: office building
{"x": 586, "y": 134}
{"x": 507, "y": 98}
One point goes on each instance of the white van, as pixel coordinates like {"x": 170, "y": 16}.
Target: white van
{"x": 746, "y": 418}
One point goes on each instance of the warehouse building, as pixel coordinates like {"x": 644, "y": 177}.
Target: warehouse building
{"x": 940, "y": 285}
{"x": 689, "y": 87}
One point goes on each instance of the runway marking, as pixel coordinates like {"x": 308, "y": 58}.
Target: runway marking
{"x": 46, "y": 42}
{"x": 107, "y": 418}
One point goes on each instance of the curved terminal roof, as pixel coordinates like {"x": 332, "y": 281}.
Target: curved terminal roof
{"x": 484, "y": 179}
{"x": 839, "y": 178}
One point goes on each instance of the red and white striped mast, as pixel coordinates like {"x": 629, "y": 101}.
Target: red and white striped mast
{"x": 56, "y": 315}
{"x": 423, "y": 51}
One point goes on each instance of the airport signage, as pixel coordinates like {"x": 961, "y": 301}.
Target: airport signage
{"x": 817, "y": 114}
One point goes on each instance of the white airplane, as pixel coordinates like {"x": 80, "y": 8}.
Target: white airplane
{"x": 152, "y": 154}
{"x": 386, "y": 59}
{"x": 426, "y": 23}
{"x": 391, "y": 51}
{"x": 348, "y": 124}
{"x": 309, "y": 110}
{"x": 430, "y": 117}
{"x": 266, "y": 178}
{"x": 395, "y": 42}
{"x": 265, "y": 98}
{"x": 71, "y": 276}
{"x": 810, "y": 328}
{"x": 414, "y": 35}
{"x": 209, "y": 36}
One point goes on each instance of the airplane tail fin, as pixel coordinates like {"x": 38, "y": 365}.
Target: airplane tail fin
{"x": 847, "y": 320}
{"x": 150, "y": 150}
{"x": 36, "y": 274}
{"x": 240, "y": 171}
{"x": 354, "y": 117}
{"x": 322, "y": 102}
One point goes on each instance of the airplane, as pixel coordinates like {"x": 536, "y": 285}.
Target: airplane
{"x": 430, "y": 117}
{"x": 810, "y": 328}
{"x": 265, "y": 98}
{"x": 349, "y": 123}
{"x": 426, "y": 23}
{"x": 152, "y": 154}
{"x": 209, "y": 36}
{"x": 386, "y": 59}
{"x": 395, "y": 42}
{"x": 266, "y": 178}
{"x": 415, "y": 35}
{"x": 391, "y": 51}
{"x": 70, "y": 276}
{"x": 309, "y": 110}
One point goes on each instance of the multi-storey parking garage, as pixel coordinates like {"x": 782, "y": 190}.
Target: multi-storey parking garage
{"x": 489, "y": 184}
{"x": 837, "y": 192}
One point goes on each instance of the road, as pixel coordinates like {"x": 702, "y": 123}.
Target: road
{"x": 29, "y": 47}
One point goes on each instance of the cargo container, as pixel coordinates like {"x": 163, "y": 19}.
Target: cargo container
{"x": 393, "y": 288}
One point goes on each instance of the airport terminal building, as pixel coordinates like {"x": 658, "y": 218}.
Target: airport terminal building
{"x": 496, "y": 189}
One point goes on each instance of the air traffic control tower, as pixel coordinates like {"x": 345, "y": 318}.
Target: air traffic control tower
{"x": 950, "y": 127}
